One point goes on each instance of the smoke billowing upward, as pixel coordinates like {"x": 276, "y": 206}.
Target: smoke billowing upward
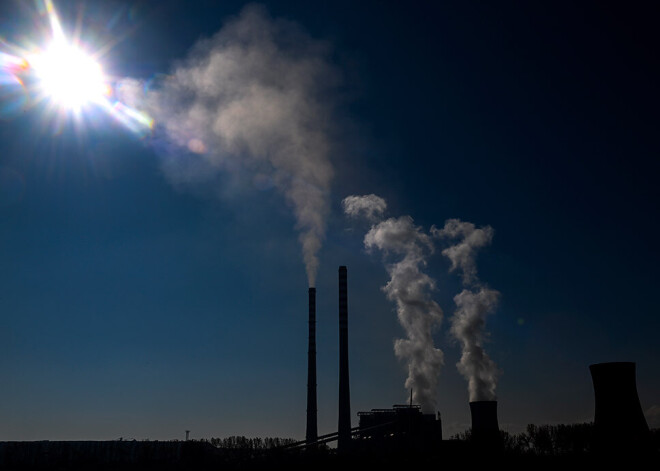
{"x": 467, "y": 325}
{"x": 473, "y": 304}
{"x": 463, "y": 254}
{"x": 406, "y": 247}
{"x": 371, "y": 207}
{"x": 251, "y": 100}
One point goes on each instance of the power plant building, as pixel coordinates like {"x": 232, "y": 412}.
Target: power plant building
{"x": 399, "y": 421}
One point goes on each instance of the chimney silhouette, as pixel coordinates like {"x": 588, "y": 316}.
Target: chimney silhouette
{"x": 619, "y": 422}
{"x": 344, "y": 429}
{"x": 312, "y": 430}
{"x": 485, "y": 428}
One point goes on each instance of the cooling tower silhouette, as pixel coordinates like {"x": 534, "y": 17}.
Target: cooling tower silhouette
{"x": 619, "y": 422}
{"x": 485, "y": 428}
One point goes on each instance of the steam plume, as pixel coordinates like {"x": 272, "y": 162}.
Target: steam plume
{"x": 463, "y": 254}
{"x": 250, "y": 101}
{"x": 473, "y": 304}
{"x": 409, "y": 287}
{"x": 371, "y": 207}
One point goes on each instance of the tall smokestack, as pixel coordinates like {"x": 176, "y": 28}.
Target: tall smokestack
{"x": 344, "y": 439}
{"x": 619, "y": 422}
{"x": 485, "y": 428}
{"x": 312, "y": 430}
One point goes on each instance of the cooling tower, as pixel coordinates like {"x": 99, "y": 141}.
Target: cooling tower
{"x": 485, "y": 429}
{"x": 312, "y": 431}
{"x": 344, "y": 429}
{"x": 619, "y": 422}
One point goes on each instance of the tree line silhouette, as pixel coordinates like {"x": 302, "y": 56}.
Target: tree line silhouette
{"x": 237, "y": 442}
{"x": 552, "y": 440}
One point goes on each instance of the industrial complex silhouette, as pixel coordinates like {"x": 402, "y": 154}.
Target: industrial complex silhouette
{"x": 385, "y": 438}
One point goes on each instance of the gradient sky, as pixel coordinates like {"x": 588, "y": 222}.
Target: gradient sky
{"x": 133, "y": 308}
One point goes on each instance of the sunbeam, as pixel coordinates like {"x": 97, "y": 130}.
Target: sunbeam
{"x": 67, "y": 75}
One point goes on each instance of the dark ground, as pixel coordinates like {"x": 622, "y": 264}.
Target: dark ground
{"x": 175, "y": 456}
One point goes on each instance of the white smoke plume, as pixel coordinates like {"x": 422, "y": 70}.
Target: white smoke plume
{"x": 463, "y": 254}
{"x": 251, "y": 100}
{"x": 467, "y": 325}
{"x": 409, "y": 287}
{"x": 371, "y": 207}
{"x": 473, "y": 304}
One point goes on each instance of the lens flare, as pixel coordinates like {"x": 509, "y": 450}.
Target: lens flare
{"x": 68, "y": 76}
{"x": 63, "y": 74}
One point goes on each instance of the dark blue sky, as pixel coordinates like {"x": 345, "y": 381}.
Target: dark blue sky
{"x": 132, "y": 308}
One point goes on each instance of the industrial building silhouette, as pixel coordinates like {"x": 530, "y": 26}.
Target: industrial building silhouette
{"x": 386, "y": 438}
{"x": 311, "y": 434}
{"x": 619, "y": 422}
{"x": 405, "y": 428}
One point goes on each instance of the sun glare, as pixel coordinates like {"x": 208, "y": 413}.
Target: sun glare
{"x": 68, "y": 76}
{"x": 64, "y": 74}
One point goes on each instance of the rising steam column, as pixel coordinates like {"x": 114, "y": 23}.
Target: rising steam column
{"x": 344, "y": 439}
{"x": 312, "y": 430}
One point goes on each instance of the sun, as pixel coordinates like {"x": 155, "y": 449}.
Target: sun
{"x": 64, "y": 71}
{"x": 68, "y": 76}
{"x": 65, "y": 74}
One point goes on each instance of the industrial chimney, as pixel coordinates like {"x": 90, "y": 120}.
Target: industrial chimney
{"x": 312, "y": 430}
{"x": 485, "y": 429}
{"x": 619, "y": 422}
{"x": 344, "y": 429}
